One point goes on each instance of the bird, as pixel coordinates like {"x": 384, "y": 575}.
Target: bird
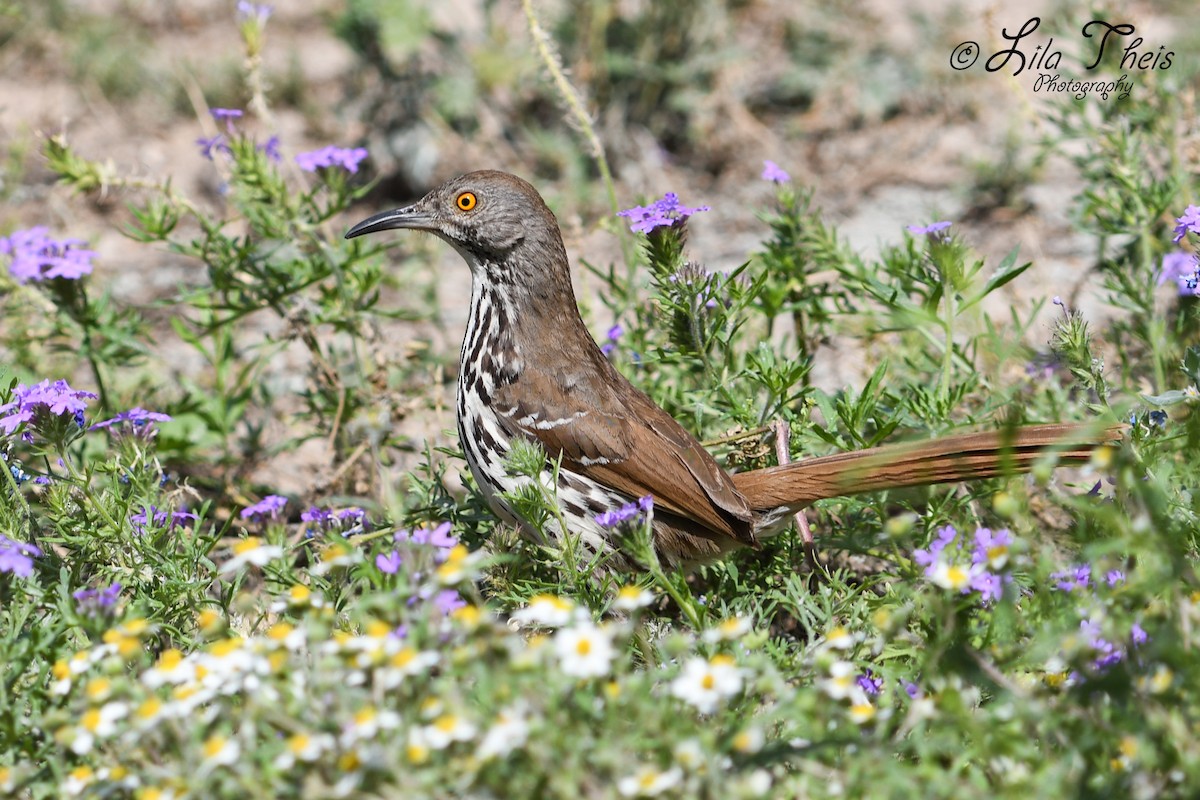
{"x": 529, "y": 369}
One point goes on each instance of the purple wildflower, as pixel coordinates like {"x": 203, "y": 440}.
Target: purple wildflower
{"x": 91, "y": 601}
{"x": 258, "y": 12}
{"x": 270, "y": 149}
{"x": 1184, "y": 269}
{"x": 37, "y": 257}
{"x": 989, "y": 585}
{"x": 440, "y": 537}
{"x": 213, "y": 144}
{"x": 1068, "y": 580}
{"x": 615, "y": 517}
{"x": 388, "y": 564}
{"x": 1113, "y": 576}
{"x": 136, "y": 418}
{"x": 1138, "y": 635}
{"x": 448, "y": 601}
{"x": 991, "y": 547}
{"x": 774, "y": 173}
{"x": 156, "y": 517}
{"x": 1188, "y": 223}
{"x": 321, "y": 516}
{"x": 928, "y": 558}
{"x": 614, "y": 334}
{"x": 912, "y": 690}
{"x": 332, "y": 156}
{"x": 29, "y": 402}
{"x": 663, "y": 213}
{"x": 267, "y": 508}
{"x": 228, "y": 115}
{"x": 17, "y": 557}
{"x": 867, "y": 680}
{"x": 931, "y": 229}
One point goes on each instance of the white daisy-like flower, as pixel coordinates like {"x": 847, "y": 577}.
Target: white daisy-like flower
{"x": 251, "y": 550}
{"x": 78, "y": 780}
{"x": 584, "y": 651}
{"x": 728, "y": 630}
{"x": 305, "y": 747}
{"x": 367, "y": 724}
{"x": 548, "y": 610}
{"x": 220, "y": 751}
{"x": 840, "y": 639}
{"x": 749, "y": 740}
{"x": 689, "y": 754}
{"x": 297, "y": 597}
{"x": 509, "y": 731}
{"x": 286, "y": 635}
{"x": 1191, "y": 393}
{"x": 705, "y": 683}
{"x": 842, "y": 680}
{"x": 97, "y": 723}
{"x": 862, "y": 710}
{"x": 756, "y": 784}
{"x": 649, "y": 782}
{"x": 156, "y": 793}
{"x": 631, "y": 598}
{"x": 416, "y": 749}
{"x": 64, "y": 670}
{"x": 403, "y": 664}
{"x": 447, "y": 729}
{"x": 336, "y": 554}
{"x": 171, "y": 667}
{"x": 460, "y": 566}
{"x": 149, "y": 712}
{"x": 955, "y": 577}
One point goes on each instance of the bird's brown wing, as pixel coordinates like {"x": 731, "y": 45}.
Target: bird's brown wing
{"x": 637, "y": 449}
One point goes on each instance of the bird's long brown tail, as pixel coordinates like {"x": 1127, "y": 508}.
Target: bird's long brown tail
{"x": 963, "y": 457}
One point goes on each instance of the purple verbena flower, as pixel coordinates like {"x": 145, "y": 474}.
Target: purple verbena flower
{"x": 156, "y": 517}
{"x": 1184, "y": 269}
{"x": 448, "y": 601}
{"x": 388, "y": 564}
{"x": 267, "y": 508}
{"x": 332, "y": 156}
{"x": 991, "y": 547}
{"x": 928, "y": 558}
{"x": 440, "y": 536}
{"x": 931, "y": 229}
{"x": 614, "y": 335}
{"x": 666, "y": 212}
{"x": 1188, "y": 223}
{"x": 136, "y": 418}
{"x": 258, "y": 12}
{"x": 31, "y": 402}
{"x": 91, "y": 601}
{"x": 774, "y": 173}
{"x": 36, "y": 257}
{"x": 1113, "y": 576}
{"x": 213, "y": 144}
{"x": 17, "y": 557}
{"x": 270, "y": 148}
{"x": 1138, "y": 635}
{"x": 867, "y": 680}
{"x": 617, "y": 516}
{"x": 1068, "y": 580}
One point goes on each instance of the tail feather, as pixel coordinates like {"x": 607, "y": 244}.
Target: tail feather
{"x": 951, "y": 459}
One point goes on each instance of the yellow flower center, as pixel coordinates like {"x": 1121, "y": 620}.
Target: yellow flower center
{"x": 150, "y": 708}
{"x": 61, "y": 670}
{"x": 299, "y": 743}
{"x": 583, "y": 647}
{"x": 170, "y": 659}
{"x": 300, "y": 594}
{"x": 246, "y": 545}
{"x": 708, "y": 682}
{"x": 91, "y": 720}
{"x": 214, "y": 745}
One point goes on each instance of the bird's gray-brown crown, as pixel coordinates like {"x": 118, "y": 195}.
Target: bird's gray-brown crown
{"x": 484, "y": 214}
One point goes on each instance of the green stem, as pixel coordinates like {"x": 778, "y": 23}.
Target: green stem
{"x": 948, "y": 353}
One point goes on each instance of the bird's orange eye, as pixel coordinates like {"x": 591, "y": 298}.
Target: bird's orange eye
{"x": 466, "y": 201}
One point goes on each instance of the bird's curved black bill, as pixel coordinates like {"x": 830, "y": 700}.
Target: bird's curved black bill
{"x": 410, "y": 217}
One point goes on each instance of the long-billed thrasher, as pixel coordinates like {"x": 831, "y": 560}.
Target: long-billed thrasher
{"x": 529, "y": 369}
